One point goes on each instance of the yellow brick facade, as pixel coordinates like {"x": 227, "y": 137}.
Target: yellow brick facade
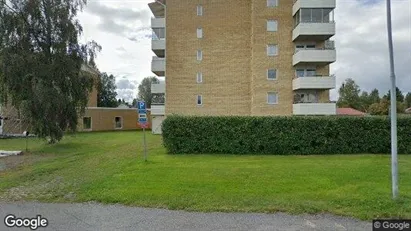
{"x": 235, "y": 61}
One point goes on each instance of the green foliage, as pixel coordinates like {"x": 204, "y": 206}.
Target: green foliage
{"x": 407, "y": 100}
{"x": 399, "y": 95}
{"x": 144, "y": 92}
{"x": 41, "y": 59}
{"x": 106, "y": 91}
{"x": 283, "y": 135}
{"x": 383, "y": 107}
{"x": 349, "y": 95}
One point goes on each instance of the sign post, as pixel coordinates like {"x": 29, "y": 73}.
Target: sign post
{"x": 142, "y": 120}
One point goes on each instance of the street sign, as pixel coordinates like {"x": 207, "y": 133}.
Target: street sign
{"x": 142, "y": 120}
{"x": 141, "y": 105}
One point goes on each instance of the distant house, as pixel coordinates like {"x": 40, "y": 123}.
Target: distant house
{"x": 408, "y": 110}
{"x": 349, "y": 112}
{"x": 123, "y": 106}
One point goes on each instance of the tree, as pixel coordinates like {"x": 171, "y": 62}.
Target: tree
{"x": 41, "y": 60}
{"x": 400, "y": 96}
{"x": 407, "y": 100}
{"x": 374, "y": 96}
{"x": 383, "y": 107}
{"x": 365, "y": 101}
{"x": 349, "y": 95}
{"x": 106, "y": 91}
{"x": 144, "y": 92}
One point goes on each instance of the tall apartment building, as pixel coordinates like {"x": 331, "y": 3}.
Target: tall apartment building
{"x": 243, "y": 57}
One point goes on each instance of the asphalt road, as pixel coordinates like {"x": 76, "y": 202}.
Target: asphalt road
{"x": 90, "y": 217}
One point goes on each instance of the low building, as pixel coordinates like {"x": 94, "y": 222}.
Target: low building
{"x": 349, "y": 112}
{"x": 94, "y": 119}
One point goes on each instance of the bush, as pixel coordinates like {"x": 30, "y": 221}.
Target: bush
{"x": 283, "y": 135}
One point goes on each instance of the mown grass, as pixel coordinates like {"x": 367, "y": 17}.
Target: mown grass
{"x": 109, "y": 168}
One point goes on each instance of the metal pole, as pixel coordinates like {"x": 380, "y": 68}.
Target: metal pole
{"x": 394, "y": 156}
{"x": 145, "y": 144}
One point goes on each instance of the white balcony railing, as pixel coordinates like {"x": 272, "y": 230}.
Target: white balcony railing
{"x": 158, "y": 88}
{"x": 314, "y": 31}
{"x": 312, "y": 56}
{"x": 158, "y": 66}
{"x": 314, "y": 82}
{"x": 328, "y": 4}
{"x": 157, "y": 109}
{"x": 158, "y": 22}
{"x": 314, "y": 109}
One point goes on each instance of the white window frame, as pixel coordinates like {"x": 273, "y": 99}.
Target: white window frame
{"x": 121, "y": 122}
{"x": 199, "y": 55}
{"x": 268, "y": 97}
{"x": 268, "y": 50}
{"x": 91, "y": 123}
{"x": 199, "y": 77}
{"x": 274, "y": 27}
{"x": 199, "y": 97}
{"x": 275, "y": 3}
{"x": 199, "y": 33}
{"x": 199, "y": 10}
{"x": 276, "y": 74}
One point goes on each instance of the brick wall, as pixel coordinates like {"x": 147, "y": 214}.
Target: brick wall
{"x": 103, "y": 119}
{"x": 235, "y": 61}
{"x": 226, "y": 57}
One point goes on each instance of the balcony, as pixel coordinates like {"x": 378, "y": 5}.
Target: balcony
{"x": 314, "y": 82}
{"x": 158, "y": 88}
{"x": 313, "y": 31}
{"x": 158, "y": 66}
{"x": 157, "y": 9}
{"x": 298, "y": 4}
{"x": 157, "y": 109}
{"x": 314, "y": 109}
{"x": 316, "y": 56}
{"x": 158, "y": 46}
{"x": 158, "y": 22}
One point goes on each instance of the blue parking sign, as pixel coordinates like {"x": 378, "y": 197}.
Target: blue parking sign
{"x": 141, "y": 105}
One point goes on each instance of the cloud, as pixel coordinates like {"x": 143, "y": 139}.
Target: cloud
{"x": 125, "y": 83}
{"x": 122, "y": 21}
{"x": 362, "y": 45}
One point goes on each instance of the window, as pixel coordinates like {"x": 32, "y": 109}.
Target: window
{"x": 271, "y": 74}
{"x": 272, "y": 98}
{"x": 199, "y": 10}
{"x": 311, "y": 72}
{"x": 199, "y": 33}
{"x": 272, "y": 25}
{"x": 310, "y": 46}
{"x": 118, "y": 122}
{"x": 272, "y": 50}
{"x": 199, "y": 100}
{"x": 87, "y": 123}
{"x": 299, "y": 72}
{"x": 199, "y": 55}
{"x": 308, "y": 72}
{"x": 159, "y": 34}
{"x": 272, "y": 3}
{"x": 199, "y": 77}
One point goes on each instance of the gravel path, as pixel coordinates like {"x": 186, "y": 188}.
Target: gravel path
{"x": 90, "y": 217}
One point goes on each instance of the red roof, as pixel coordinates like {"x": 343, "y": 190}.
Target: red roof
{"x": 349, "y": 111}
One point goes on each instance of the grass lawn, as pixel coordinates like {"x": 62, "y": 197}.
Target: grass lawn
{"x": 109, "y": 168}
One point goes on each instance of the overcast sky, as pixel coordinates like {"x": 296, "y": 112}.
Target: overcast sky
{"x": 122, "y": 27}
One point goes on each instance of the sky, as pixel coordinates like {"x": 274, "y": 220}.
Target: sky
{"x": 122, "y": 28}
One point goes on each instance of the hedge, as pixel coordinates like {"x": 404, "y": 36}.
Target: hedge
{"x": 283, "y": 135}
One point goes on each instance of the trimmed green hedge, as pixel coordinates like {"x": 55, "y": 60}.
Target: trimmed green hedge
{"x": 283, "y": 135}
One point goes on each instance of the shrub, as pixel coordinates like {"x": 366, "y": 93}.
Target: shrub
{"x": 283, "y": 135}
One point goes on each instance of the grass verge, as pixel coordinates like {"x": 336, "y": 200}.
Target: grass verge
{"x": 109, "y": 168}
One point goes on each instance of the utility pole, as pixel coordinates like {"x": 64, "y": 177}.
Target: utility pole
{"x": 393, "y": 109}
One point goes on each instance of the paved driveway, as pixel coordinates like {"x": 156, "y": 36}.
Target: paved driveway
{"x": 92, "y": 216}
